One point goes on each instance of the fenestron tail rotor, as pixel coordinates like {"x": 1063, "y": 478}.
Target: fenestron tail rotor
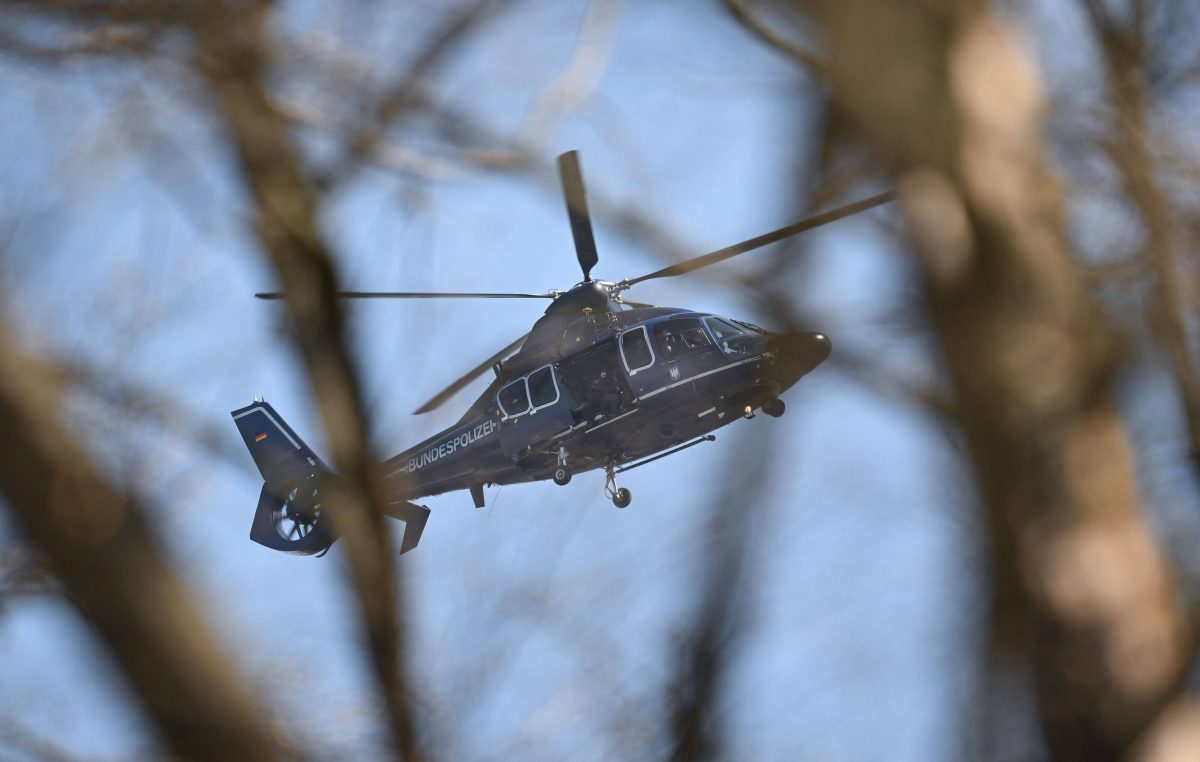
{"x": 577, "y": 212}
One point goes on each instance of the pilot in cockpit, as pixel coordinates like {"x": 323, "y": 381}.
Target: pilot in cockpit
{"x": 670, "y": 345}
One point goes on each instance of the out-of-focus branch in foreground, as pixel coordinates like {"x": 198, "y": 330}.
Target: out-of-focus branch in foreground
{"x": 233, "y": 55}
{"x": 100, "y": 547}
{"x": 1081, "y": 595}
{"x": 1129, "y": 148}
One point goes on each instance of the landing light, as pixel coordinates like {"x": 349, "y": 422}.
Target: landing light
{"x": 749, "y": 410}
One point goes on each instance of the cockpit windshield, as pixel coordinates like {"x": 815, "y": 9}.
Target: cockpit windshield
{"x": 750, "y": 327}
{"x": 734, "y": 338}
{"x": 722, "y": 330}
{"x": 674, "y": 337}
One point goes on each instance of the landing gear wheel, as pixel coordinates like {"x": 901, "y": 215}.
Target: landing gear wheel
{"x": 622, "y": 497}
{"x": 562, "y": 476}
{"x": 774, "y": 408}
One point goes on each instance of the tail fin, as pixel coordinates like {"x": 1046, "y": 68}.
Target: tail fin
{"x": 281, "y": 456}
{"x": 288, "y": 517}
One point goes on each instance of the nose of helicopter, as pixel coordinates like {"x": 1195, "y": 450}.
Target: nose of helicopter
{"x": 798, "y": 353}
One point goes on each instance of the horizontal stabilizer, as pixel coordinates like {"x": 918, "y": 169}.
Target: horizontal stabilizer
{"x": 414, "y": 518}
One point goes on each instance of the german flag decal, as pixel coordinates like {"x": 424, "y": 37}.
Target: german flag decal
{"x": 260, "y": 436}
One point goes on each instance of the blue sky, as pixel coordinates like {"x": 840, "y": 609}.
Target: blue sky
{"x": 549, "y": 616}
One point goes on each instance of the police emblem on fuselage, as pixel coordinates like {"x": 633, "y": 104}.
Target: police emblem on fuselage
{"x": 674, "y": 374}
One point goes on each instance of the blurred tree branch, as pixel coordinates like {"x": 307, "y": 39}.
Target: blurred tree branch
{"x": 951, "y": 104}
{"x": 948, "y": 106}
{"x": 404, "y": 96}
{"x": 233, "y": 57}
{"x": 107, "y": 558}
{"x": 22, "y": 574}
{"x": 747, "y": 13}
{"x": 578, "y": 79}
{"x": 28, "y": 744}
{"x": 140, "y": 401}
{"x": 709, "y": 640}
{"x": 1126, "y": 52}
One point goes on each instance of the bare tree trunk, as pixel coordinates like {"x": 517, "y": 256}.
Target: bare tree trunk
{"x": 1128, "y": 147}
{"x": 1081, "y": 594}
{"x": 233, "y": 54}
{"x": 108, "y": 560}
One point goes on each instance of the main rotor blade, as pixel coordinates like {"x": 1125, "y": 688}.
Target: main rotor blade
{"x": 417, "y": 295}
{"x": 467, "y": 378}
{"x": 577, "y": 212}
{"x": 720, "y": 255}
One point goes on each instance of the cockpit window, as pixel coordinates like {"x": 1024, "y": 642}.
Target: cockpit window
{"x": 722, "y": 330}
{"x": 542, "y": 390}
{"x": 514, "y": 398}
{"x": 733, "y": 336}
{"x": 675, "y": 337}
{"x": 750, "y": 327}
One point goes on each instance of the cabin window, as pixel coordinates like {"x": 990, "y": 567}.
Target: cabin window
{"x": 635, "y": 348}
{"x": 593, "y": 382}
{"x": 542, "y": 389}
{"x": 676, "y": 337}
{"x": 514, "y": 398}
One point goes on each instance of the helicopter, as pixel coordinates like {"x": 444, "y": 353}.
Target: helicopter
{"x": 599, "y": 382}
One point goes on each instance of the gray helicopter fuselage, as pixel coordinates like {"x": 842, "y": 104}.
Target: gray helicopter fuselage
{"x": 597, "y": 383}
{"x": 605, "y": 388}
